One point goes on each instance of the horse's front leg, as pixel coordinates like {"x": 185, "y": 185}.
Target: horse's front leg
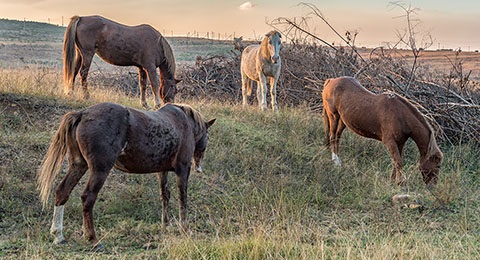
{"x": 335, "y": 133}
{"x": 155, "y": 84}
{"x": 162, "y": 178}
{"x": 142, "y": 86}
{"x": 395, "y": 151}
{"x": 273, "y": 92}
{"x": 183, "y": 173}
{"x": 262, "y": 91}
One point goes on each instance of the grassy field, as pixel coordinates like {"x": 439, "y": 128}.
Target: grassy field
{"x": 268, "y": 191}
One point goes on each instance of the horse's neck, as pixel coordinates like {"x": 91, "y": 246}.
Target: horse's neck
{"x": 166, "y": 71}
{"x": 423, "y": 136}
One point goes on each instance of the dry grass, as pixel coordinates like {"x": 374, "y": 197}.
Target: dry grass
{"x": 269, "y": 191}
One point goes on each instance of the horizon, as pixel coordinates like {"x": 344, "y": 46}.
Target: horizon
{"x": 451, "y": 25}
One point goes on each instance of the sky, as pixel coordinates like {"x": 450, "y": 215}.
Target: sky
{"x": 451, "y": 24}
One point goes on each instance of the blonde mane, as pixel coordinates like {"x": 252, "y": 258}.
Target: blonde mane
{"x": 200, "y": 126}
{"x": 432, "y": 143}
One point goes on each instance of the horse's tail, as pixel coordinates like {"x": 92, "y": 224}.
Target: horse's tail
{"x": 56, "y": 153}
{"x": 326, "y": 121}
{"x": 326, "y": 127}
{"x": 168, "y": 55}
{"x": 69, "y": 54}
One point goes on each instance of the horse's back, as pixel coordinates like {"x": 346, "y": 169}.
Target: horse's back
{"x": 364, "y": 112}
{"x": 117, "y": 43}
{"x": 355, "y": 105}
{"x": 341, "y": 85}
{"x": 343, "y": 89}
{"x": 156, "y": 140}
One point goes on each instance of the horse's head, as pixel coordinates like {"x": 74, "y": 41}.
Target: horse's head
{"x": 169, "y": 90}
{"x": 238, "y": 44}
{"x": 274, "y": 42}
{"x": 201, "y": 145}
{"x": 429, "y": 167}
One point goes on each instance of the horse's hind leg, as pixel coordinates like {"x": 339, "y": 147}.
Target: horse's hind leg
{"x": 335, "y": 128}
{"x": 162, "y": 178}
{"x": 142, "y": 85}
{"x": 89, "y": 196}
{"x": 87, "y": 57}
{"x": 336, "y": 141}
{"x": 246, "y": 88}
{"x": 77, "y": 168}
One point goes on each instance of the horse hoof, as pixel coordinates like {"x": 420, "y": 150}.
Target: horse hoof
{"x": 60, "y": 242}
{"x": 146, "y": 106}
{"x": 98, "y": 248}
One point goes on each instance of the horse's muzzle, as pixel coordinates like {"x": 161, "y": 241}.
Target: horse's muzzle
{"x": 275, "y": 58}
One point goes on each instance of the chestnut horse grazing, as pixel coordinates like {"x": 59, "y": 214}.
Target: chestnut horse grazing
{"x": 108, "y": 135}
{"x": 388, "y": 118}
{"x": 258, "y": 63}
{"x": 141, "y": 46}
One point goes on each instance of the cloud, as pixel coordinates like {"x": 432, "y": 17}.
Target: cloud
{"x": 246, "y": 6}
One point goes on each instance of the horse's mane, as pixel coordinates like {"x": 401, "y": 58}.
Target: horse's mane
{"x": 268, "y": 35}
{"x": 432, "y": 143}
{"x": 200, "y": 125}
{"x": 169, "y": 58}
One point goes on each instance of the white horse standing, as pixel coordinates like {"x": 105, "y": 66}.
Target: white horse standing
{"x": 258, "y": 63}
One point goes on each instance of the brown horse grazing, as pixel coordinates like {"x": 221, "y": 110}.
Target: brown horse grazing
{"x": 109, "y": 135}
{"x": 141, "y": 46}
{"x": 388, "y": 118}
{"x": 259, "y": 62}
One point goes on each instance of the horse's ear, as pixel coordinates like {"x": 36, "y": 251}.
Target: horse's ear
{"x": 210, "y": 123}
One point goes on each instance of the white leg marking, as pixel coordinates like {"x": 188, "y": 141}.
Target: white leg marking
{"x": 57, "y": 224}
{"x": 336, "y": 159}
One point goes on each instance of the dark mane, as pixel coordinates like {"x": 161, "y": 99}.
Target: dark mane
{"x": 169, "y": 58}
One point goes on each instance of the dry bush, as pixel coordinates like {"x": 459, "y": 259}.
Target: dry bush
{"x": 449, "y": 101}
